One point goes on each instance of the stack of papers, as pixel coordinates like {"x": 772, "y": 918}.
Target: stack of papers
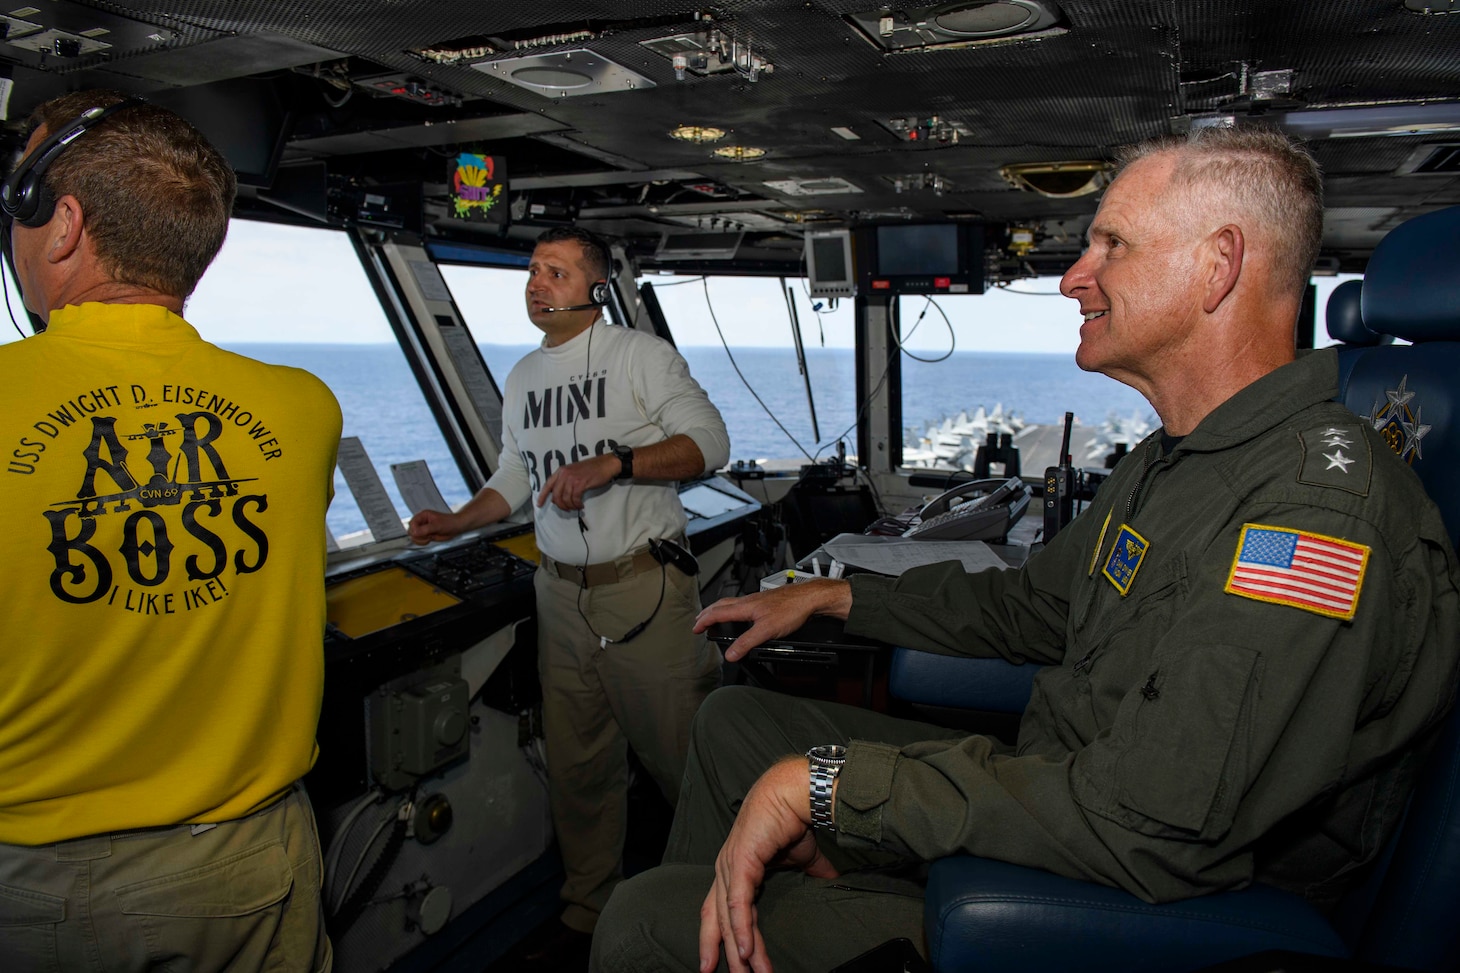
{"x": 894, "y": 555}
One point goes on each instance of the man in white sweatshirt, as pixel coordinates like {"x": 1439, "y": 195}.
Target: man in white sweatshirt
{"x": 598, "y": 425}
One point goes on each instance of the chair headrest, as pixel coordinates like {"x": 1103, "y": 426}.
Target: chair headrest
{"x": 1411, "y": 289}
{"x": 1345, "y": 323}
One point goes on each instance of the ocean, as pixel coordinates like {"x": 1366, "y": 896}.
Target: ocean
{"x": 383, "y": 406}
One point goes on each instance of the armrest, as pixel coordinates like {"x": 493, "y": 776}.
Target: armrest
{"x": 960, "y": 682}
{"x": 989, "y": 916}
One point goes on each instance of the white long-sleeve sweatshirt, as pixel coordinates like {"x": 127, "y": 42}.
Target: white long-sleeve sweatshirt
{"x": 606, "y": 386}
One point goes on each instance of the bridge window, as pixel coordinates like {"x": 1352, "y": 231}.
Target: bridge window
{"x": 298, "y": 296}
{"x": 1004, "y": 362}
{"x": 753, "y": 318}
{"x": 493, "y": 304}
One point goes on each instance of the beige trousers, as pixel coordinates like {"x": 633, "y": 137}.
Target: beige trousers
{"x": 600, "y": 700}
{"x": 241, "y": 896}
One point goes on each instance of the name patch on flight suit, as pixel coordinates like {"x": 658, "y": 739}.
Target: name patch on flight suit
{"x": 1125, "y": 558}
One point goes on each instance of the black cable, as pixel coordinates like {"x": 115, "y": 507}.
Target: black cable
{"x": 952, "y": 338}
{"x": 898, "y": 345}
{"x": 862, "y": 409}
{"x": 5, "y": 277}
{"x": 881, "y": 379}
{"x": 744, "y": 381}
{"x": 632, "y": 633}
{"x": 676, "y": 283}
{"x": 948, "y": 480}
{"x": 356, "y": 903}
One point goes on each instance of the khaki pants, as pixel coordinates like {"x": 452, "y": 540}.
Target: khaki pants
{"x": 809, "y": 925}
{"x": 242, "y": 896}
{"x": 599, "y": 700}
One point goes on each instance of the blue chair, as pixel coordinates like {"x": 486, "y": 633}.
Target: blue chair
{"x": 988, "y": 916}
{"x": 1346, "y": 325}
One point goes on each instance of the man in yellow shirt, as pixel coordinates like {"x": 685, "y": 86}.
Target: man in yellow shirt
{"x": 162, "y": 557}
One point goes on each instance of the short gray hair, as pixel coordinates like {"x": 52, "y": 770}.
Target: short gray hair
{"x": 1263, "y": 173}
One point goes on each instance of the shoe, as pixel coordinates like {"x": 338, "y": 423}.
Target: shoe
{"x": 559, "y": 949}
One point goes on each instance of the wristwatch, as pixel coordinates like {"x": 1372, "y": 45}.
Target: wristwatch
{"x": 625, "y": 456}
{"x": 825, "y": 762}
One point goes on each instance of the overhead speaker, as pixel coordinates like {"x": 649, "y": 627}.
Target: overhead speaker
{"x": 1058, "y": 180}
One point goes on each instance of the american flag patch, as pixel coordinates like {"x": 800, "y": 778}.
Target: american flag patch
{"x": 1290, "y": 567}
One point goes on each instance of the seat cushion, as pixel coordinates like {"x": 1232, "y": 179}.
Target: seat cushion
{"x": 990, "y": 916}
{"x": 960, "y": 682}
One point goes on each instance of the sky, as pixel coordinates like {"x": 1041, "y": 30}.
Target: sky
{"x": 276, "y": 283}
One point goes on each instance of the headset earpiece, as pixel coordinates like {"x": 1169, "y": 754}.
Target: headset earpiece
{"x": 598, "y": 293}
{"x": 43, "y": 205}
{"x": 25, "y": 197}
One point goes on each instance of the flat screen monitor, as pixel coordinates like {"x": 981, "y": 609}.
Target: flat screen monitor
{"x": 705, "y": 501}
{"x": 924, "y": 250}
{"x": 829, "y": 268}
{"x": 922, "y": 258}
{"x": 246, "y": 119}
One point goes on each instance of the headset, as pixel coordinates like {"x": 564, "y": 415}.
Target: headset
{"x": 598, "y": 292}
{"x": 597, "y": 297}
{"x": 25, "y": 198}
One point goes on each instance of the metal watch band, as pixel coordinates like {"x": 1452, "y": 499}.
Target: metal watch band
{"x": 825, "y": 763}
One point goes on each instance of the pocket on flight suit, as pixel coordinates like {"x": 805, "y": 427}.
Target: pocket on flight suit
{"x": 1181, "y": 770}
{"x": 214, "y": 913}
{"x": 28, "y": 923}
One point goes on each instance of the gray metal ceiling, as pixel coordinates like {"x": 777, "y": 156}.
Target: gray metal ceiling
{"x": 1113, "y": 71}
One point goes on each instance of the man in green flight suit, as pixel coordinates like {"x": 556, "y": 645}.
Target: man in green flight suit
{"x": 1254, "y": 624}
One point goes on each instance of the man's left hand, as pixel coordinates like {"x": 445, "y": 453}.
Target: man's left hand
{"x": 773, "y": 827}
{"x": 568, "y": 484}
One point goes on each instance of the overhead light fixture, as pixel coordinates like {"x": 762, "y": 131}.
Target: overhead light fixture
{"x": 1058, "y": 180}
{"x": 846, "y": 133}
{"x": 699, "y": 134}
{"x": 739, "y": 153}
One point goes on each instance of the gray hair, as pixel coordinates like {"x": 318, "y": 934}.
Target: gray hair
{"x": 1262, "y": 173}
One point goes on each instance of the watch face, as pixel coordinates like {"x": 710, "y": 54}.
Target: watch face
{"x": 833, "y": 753}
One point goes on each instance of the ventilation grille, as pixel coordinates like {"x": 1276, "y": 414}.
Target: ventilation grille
{"x": 1442, "y": 160}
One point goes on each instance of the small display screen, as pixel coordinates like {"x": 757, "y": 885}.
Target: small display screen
{"x": 829, "y": 259}
{"x": 705, "y": 501}
{"x": 918, "y": 251}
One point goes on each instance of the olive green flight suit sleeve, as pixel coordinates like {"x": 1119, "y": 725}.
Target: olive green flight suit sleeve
{"x": 1229, "y": 734}
{"x": 1017, "y": 614}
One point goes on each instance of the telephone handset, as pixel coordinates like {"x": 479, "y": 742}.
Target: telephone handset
{"x": 991, "y": 508}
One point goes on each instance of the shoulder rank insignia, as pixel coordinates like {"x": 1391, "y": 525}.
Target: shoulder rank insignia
{"x": 1126, "y": 554}
{"x": 1292, "y": 567}
{"x": 1336, "y": 456}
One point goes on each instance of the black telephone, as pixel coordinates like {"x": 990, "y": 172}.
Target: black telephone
{"x": 989, "y": 509}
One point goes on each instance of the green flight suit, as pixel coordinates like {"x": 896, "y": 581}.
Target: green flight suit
{"x": 1182, "y": 738}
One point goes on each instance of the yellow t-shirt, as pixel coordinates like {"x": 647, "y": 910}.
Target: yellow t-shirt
{"x": 162, "y": 551}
